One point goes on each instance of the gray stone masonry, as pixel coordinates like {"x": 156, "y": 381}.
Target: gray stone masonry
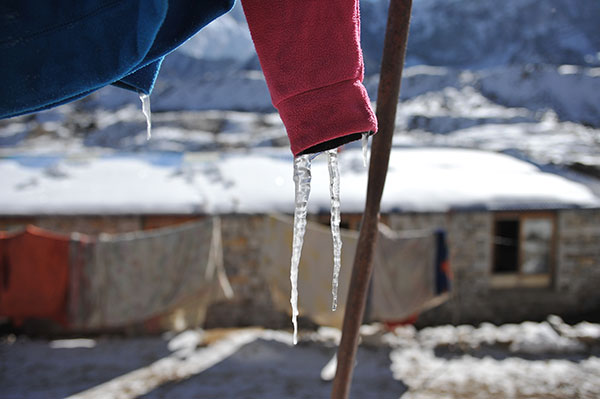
{"x": 573, "y": 290}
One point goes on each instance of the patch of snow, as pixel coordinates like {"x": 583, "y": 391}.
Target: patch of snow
{"x": 573, "y": 95}
{"x": 587, "y": 331}
{"x": 72, "y": 343}
{"x": 429, "y": 376}
{"x": 226, "y": 183}
{"x": 186, "y": 341}
{"x": 550, "y": 141}
{"x": 568, "y": 69}
{"x": 98, "y": 186}
{"x": 143, "y": 380}
{"x": 539, "y": 338}
{"x": 329, "y": 334}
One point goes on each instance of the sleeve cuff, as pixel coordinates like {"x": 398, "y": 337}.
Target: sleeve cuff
{"x": 325, "y": 118}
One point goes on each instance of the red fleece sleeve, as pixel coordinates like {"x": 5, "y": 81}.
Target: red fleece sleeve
{"x": 310, "y": 53}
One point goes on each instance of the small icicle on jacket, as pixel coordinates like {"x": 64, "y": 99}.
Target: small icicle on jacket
{"x": 55, "y": 52}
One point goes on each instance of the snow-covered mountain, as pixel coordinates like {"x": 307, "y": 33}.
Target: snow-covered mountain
{"x": 514, "y": 52}
{"x": 463, "y": 34}
{"x": 517, "y": 75}
{"x": 487, "y": 33}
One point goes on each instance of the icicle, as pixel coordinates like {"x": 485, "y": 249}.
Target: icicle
{"x": 334, "y": 192}
{"x": 302, "y": 179}
{"x": 365, "y": 146}
{"x": 145, "y": 99}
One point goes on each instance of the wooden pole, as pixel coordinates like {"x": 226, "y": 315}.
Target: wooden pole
{"x": 396, "y": 36}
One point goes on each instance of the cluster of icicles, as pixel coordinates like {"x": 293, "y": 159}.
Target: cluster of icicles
{"x": 302, "y": 178}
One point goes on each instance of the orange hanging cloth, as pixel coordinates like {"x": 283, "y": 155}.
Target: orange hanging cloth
{"x": 34, "y": 275}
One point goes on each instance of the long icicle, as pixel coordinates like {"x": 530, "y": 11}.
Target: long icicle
{"x": 302, "y": 178}
{"x": 334, "y": 192}
{"x": 365, "y": 147}
{"x": 145, "y": 99}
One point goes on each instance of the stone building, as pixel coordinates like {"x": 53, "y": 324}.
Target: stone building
{"x": 552, "y": 265}
{"x": 513, "y": 258}
{"x": 511, "y": 266}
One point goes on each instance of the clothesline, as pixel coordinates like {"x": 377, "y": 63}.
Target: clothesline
{"x": 114, "y": 280}
{"x": 411, "y": 271}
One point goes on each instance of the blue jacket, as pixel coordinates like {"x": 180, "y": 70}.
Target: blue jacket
{"x": 55, "y": 51}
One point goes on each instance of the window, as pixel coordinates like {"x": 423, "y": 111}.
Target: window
{"x": 506, "y": 246}
{"x": 348, "y": 222}
{"x": 523, "y": 250}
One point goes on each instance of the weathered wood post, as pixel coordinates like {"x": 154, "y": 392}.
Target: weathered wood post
{"x": 396, "y": 36}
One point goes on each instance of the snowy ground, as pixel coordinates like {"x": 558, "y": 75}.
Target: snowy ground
{"x": 528, "y": 360}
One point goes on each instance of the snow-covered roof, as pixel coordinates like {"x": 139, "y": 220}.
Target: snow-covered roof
{"x": 260, "y": 181}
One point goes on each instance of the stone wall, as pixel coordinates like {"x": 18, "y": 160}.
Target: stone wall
{"x": 578, "y": 276}
{"x": 573, "y": 292}
{"x": 469, "y": 244}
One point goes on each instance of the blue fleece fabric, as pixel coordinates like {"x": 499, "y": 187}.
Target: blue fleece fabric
{"x": 55, "y": 51}
{"x": 141, "y": 80}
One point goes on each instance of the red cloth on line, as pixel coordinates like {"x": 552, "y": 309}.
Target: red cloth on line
{"x": 35, "y": 275}
{"x": 391, "y": 325}
{"x": 5, "y": 239}
{"x": 310, "y": 54}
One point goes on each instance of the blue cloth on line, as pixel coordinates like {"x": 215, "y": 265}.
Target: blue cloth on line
{"x": 442, "y": 279}
{"x": 55, "y": 51}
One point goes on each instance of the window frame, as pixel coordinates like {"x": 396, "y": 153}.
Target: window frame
{"x": 518, "y": 279}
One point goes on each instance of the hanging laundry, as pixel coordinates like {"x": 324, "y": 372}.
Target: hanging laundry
{"x": 409, "y": 275}
{"x": 56, "y": 52}
{"x": 314, "y": 271}
{"x": 410, "y": 271}
{"x": 59, "y": 51}
{"x": 311, "y": 57}
{"x": 85, "y": 293}
{"x": 34, "y": 275}
{"x": 6, "y": 240}
{"x": 130, "y": 278}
